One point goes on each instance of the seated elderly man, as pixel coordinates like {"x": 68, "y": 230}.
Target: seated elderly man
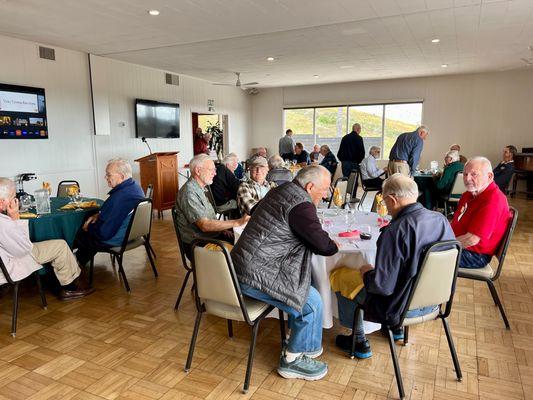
{"x": 277, "y": 173}
{"x": 21, "y": 257}
{"x": 273, "y": 263}
{"x": 452, "y": 166}
{"x": 315, "y": 154}
{"x": 369, "y": 169}
{"x": 399, "y": 250}
{"x": 300, "y": 155}
{"x": 225, "y": 183}
{"x": 107, "y": 228}
{"x": 503, "y": 173}
{"x": 482, "y": 215}
{"x": 196, "y": 216}
{"x": 253, "y": 190}
{"x": 329, "y": 161}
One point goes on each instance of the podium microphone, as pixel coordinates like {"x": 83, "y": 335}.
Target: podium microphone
{"x": 145, "y": 141}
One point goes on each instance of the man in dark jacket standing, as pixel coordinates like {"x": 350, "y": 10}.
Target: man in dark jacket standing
{"x": 108, "y": 227}
{"x": 399, "y": 250}
{"x": 272, "y": 259}
{"x": 351, "y": 151}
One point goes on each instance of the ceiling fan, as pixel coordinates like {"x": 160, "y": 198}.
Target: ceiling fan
{"x": 238, "y": 82}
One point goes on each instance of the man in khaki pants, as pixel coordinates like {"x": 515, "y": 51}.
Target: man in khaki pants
{"x": 22, "y": 257}
{"x": 405, "y": 153}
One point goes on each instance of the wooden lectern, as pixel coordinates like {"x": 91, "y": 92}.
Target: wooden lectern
{"x": 161, "y": 170}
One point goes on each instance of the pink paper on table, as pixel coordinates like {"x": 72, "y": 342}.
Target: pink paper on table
{"x": 383, "y": 222}
{"x": 354, "y": 233}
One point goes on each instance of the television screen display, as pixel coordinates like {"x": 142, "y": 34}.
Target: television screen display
{"x": 154, "y": 119}
{"x": 22, "y": 112}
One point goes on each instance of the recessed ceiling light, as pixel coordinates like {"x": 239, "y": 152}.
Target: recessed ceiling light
{"x": 315, "y": 76}
{"x": 444, "y": 65}
{"x": 270, "y": 58}
{"x": 435, "y": 41}
{"x": 153, "y": 12}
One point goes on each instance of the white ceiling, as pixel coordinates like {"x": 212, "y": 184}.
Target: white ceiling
{"x": 339, "y": 40}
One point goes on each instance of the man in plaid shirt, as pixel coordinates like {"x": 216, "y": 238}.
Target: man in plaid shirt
{"x": 253, "y": 190}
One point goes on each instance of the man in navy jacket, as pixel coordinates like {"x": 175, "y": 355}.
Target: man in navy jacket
{"x": 108, "y": 227}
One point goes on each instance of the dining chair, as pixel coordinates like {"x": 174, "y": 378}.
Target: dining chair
{"x": 434, "y": 285}
{"x": 15, "y": 285}
{"x": 458, "y": 188}
{"x": 137, "y": 234}
{"x": 184, "y": 260}
{"x": 366, "y": 189}
{"x": 218, "y": 293}
{"x": 221, "y": 214}
{"x": 149, "y": 191}
{"x": 341, "y": 184}
{"x": 487, "y": 273}
{"x": 62, "y": 188}
{"x": 353, "y": 183}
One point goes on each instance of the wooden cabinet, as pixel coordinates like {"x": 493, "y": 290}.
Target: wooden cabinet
{"x": 161, "y": 170}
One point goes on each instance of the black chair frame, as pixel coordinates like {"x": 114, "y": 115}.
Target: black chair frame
{"x": 502, "y": 252}
{"x": 366, "y": 189}
{"x": 446, "y": 198}
{"x": 183, "y": 257}
{"x": 200, "y": 307}
{"x": 67, "y": 182}
{"x": 443, "y": 245}
{"x": 119, "y": 255}
{"x": 341, "y": 179}
{"x": 15, "y": 285}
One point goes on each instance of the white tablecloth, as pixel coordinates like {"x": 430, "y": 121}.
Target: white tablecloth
{"x": 353, "y": 253}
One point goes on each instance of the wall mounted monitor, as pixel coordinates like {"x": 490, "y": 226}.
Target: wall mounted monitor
{"x": 155, "y": 119}
{"x": 22, "y": 112}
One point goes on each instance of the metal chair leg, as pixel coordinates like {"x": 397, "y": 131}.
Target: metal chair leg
{"x": 355, "y": 318}
{"x": 497, "y": 301}
{"x": 151, "y": 249}
{"x": 193, "y": 341}
{"x": 41, "y": 291}
{"x": 185, "y": 280}
{"x": 458, "y": 372}
{"x": 230, "y": 328}
{"x": 282, "y": 331}
{"x": 15, "y": 309}
{"x": 147, "y": 247}
{"x": 405, "y": 335}
{"x": 91, "y": 271}
{"x": 255, "y": 329}
{"x": 396, "y": 364}
{"x": 123, "y": 274}
{"x": 360, "y": 205}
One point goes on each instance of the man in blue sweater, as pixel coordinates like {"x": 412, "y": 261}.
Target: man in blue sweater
{"x": 108, "y": 227}
{"x": 405, "y": 153}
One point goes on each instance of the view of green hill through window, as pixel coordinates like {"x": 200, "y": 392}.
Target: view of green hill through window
{"x": 331, "y": 123}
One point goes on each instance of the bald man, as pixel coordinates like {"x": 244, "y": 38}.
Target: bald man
{"x": 482, "y": 215}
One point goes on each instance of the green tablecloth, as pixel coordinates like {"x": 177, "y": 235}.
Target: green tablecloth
{"x": 426, "y": 185}
{"x": 59, "y": 224}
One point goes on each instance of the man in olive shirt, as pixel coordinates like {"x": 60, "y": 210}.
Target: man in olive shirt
{"x": 196, "y": 216}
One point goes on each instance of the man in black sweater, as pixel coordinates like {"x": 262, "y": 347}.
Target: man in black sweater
{"x": 351, "y": 150}
{"x": 225, "y": 183}
{"x": 503, "y": 173}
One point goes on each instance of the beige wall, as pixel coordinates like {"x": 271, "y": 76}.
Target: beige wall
{"x": 482, "y": 112}
{"x": 72, "y": 150}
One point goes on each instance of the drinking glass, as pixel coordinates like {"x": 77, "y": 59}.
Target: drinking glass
{"x": 25, "y": 202}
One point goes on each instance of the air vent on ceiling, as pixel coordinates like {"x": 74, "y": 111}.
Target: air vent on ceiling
{"x": 47, "y": 53}
{"x": 172, "y": 79}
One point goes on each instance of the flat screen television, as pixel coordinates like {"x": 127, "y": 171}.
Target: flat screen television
{"x": 22, "y": 112}
{"x": 155, "y": 119}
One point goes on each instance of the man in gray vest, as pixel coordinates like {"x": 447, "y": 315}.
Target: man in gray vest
{"x": 273, "y": 263}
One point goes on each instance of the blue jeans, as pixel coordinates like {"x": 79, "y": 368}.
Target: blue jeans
{"x": 347, "y": 311}
{"x": 469, "y": 259}
{"x": 348, "y": 167}
{"x": 306, "y": 326}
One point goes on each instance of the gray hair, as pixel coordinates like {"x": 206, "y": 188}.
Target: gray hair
{"x": 312, "y": 173}
{"x": 400, "y": 186}
{"x": 422, "y": 128}
{"x": 455, "y": 146}
{"x": 374, "y": 148}
{"x": 122, "y": 165}
{"x": 325, "y": 147}
{"x": 487, "y": 166}
{"x": 453, "y": 154}
{"x": 230, "y": 158}
{"x": 197, "y": 161}
{"x": 6, "y": 188}
{"x": 275, "y": 162}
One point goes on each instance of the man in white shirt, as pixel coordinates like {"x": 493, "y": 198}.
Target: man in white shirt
{"x": 370, "y": 171}
{"x": 21, "y": 257}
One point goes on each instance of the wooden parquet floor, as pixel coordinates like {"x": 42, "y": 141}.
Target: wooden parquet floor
{"x": 112, "y": 345}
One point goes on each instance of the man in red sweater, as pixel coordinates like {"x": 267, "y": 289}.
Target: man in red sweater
{"x": 482, "y": 215}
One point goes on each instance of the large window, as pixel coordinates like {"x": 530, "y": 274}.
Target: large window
{"x": 381, "y": 124}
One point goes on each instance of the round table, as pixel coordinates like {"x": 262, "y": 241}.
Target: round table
{"x": 426, "y": 185}
{"x": 59, "y": 224}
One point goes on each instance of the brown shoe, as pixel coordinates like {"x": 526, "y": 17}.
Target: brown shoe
{"x": 75, "y": 294}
